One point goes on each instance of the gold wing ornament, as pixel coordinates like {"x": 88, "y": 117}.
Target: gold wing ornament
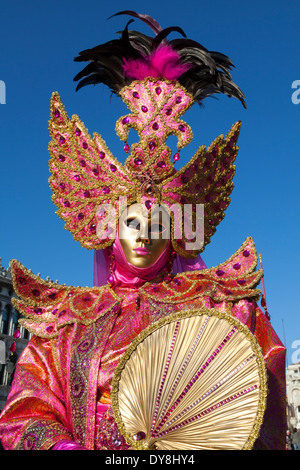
{"x": 90, "y": 187}
{"x": 84, "y": 174}
{"x": 207, "y": 181}
{"x": 195, "y": 380}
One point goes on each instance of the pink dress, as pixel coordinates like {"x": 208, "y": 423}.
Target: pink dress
{"x": 62, "y": 382}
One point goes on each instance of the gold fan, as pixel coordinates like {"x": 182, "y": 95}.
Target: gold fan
{"x": 193, "y": 380}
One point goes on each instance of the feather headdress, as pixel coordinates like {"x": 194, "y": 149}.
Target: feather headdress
{"x": 136, "y": 56}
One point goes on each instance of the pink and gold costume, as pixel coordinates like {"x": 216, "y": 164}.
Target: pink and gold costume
{"x": 62, "y": 384}
{"x": 65, "y": 373}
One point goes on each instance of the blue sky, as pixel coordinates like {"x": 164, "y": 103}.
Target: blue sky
{"x": 38, "y": 41}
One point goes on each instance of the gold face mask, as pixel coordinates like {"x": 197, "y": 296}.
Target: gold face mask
{"x": 143, "y": 236}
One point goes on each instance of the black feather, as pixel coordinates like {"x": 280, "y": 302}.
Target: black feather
{"x": 164, "y": 33}
{"x": 209, "y": 72}
{"x": 156, "y": 28}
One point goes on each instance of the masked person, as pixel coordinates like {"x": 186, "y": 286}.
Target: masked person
{"x": 145, "y": 223}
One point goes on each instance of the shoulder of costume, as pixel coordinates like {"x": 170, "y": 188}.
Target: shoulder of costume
{"x": 47, "y": 306}
{"x": 234, "y": 279}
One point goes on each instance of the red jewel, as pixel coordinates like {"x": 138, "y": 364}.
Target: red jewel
{"x": 38, "y": 311}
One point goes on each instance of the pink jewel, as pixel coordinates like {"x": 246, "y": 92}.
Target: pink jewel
{"x": 168, "y": 111}
{"x": 246, "y": 253}
{"x": 155, "y": 126}
{"x": 158, "y": 90}
{"x": 86, "y": 194}
{"x": 176, "y": 157}
{"x": 85, "y": 145}
{"x": 106, "y": 190}
{"x": 61, "y": 157}
{"x": 16, "y": 334}
{"x": 126, "y": 148}
{"x": 237, "y": 266}
{"x": 77, "y": 178}
{"x": 135, "y": 95}
{"x": 101, "y": 155}
{"x": 62, "y": 139}
{"x": 161, "y": 165}
{"x": 178, "y": 99}
{"x": 220, "y": 272}
{"x": 49, "y": 329}
{"x": 82, "y": 162}
{"x": 56, "y": 113}
{"x": 182, "y": 128}
{"x": 152, "y": 146}
{"x": 66, "y": 204}
{"x": 144, "y": 109}
{"x": 78, "y": 131}
{"x": 13, "y": 347}
{"x": 148, "y": 204}
{"x": 113, "y": 168}
{"x": 96, "y": 171}
{"x": 80, "y": 216}
{"x": 125, "y": 120}
{"x": 138, "y": 161}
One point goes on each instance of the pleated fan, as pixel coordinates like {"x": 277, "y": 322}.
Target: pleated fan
{"x": 193, "y": 380}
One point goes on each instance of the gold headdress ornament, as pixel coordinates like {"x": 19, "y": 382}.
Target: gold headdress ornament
{"x": 158, "y": 81}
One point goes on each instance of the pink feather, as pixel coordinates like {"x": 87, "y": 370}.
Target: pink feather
{"x": 164, "y": 62}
